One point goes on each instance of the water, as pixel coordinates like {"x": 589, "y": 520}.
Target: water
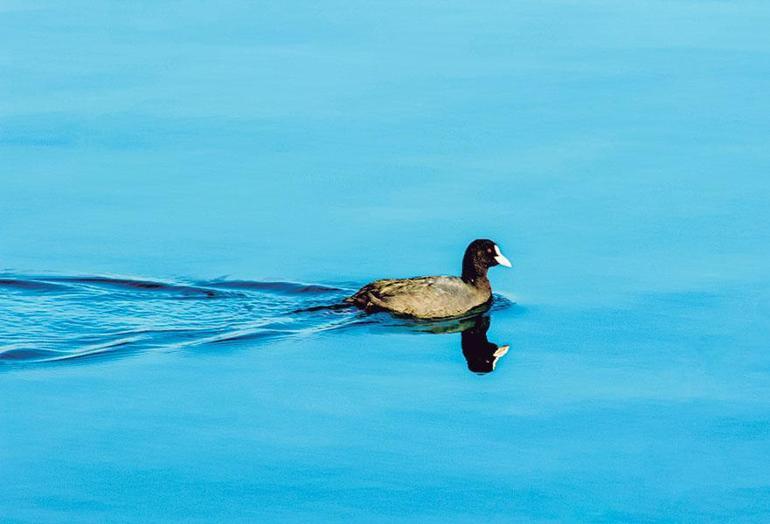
{"x": 55, "y": 318}
{"x": 180, "y": 184}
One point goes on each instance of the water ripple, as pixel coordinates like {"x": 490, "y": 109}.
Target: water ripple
{"x": 55, "y": 318}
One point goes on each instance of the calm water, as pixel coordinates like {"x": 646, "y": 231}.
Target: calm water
{"x": 182, "y": 184}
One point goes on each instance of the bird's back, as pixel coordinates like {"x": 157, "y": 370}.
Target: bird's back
{"x": 424, "y": 297}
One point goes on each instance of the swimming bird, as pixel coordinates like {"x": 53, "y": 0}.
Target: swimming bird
{"x": 440, "y": 296}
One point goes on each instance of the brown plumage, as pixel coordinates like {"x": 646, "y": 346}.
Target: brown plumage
{"x": 439, "y": 296}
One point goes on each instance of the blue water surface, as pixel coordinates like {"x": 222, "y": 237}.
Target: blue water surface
{"x": 185, "y": 185}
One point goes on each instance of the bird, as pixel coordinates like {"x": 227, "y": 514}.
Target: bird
{"x": 436, "y": 297}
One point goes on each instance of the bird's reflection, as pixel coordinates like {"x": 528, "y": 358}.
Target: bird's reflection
{"x": 481, "y": 354}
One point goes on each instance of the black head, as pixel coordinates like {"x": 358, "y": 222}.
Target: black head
{"x": 481, "y": 354}
{"x": 480, "y": 255}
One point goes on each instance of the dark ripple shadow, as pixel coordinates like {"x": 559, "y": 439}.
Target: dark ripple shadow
{"x": 273, "y": 287}
{"x": 138, "y": 285}
{"x": 22, "y": 285}
{"x": 14, "y": 354}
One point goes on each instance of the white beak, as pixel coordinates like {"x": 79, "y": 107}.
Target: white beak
{"x": 500, "y": 258}
{"x": 498, "y": 354}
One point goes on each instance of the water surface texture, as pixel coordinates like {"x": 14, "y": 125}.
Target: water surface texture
{"x": 184, "y": 185}
{"x": 55, "y": 318}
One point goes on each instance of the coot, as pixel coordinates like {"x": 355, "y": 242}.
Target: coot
{"x": 436, "y": 297}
